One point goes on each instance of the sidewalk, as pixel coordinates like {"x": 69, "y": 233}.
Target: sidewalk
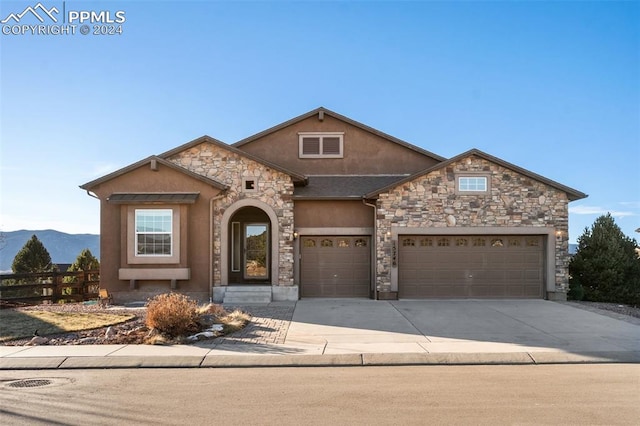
{"x": 353, "y": 332}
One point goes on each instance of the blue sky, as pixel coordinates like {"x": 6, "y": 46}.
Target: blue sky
{"x": 553, "y": 87}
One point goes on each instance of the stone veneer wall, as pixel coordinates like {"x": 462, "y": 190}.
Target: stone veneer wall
{"x": 274, "y": 189}
{"x": 431, "y": 201}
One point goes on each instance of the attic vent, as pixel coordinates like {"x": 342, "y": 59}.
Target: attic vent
{"x": 321, "y": 145}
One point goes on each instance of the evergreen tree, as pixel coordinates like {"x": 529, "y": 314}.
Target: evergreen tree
{"x": 606, "y": 266}
{"x": 32, "y": 257}
{"x": 85, "y": 261}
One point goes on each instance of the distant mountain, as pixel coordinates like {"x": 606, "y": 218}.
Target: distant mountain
{"x": 63, "y": 248}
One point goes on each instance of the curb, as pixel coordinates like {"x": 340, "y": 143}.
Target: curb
{"x": 340, "y": 360}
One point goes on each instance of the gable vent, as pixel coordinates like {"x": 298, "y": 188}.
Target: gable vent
{"x": 311, "y": 146}
{"x": 331, "y": 145}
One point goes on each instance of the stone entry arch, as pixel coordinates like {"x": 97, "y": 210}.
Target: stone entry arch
{"x": 225, "y": 240}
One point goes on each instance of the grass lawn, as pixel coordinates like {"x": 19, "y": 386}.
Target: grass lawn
{"x": 16, "y": 324}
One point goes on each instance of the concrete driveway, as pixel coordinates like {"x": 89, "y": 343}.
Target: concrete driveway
{"x": 457, "y": 326}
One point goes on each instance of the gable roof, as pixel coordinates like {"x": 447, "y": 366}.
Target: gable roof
{"x": 208, "y": 139}
{"x": 342, "y": 187}
{"x": 572, "y": 194}
{"x": 87, "y": 186}
{"x": 324, "y": 111}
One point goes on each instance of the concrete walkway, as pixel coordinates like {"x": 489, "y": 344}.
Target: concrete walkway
{"x": 355, "y": 332}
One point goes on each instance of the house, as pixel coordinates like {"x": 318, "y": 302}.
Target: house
{"x": 324, "y": 206}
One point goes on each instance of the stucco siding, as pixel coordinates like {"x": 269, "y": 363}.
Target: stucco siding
{"x": 364, "y": 152}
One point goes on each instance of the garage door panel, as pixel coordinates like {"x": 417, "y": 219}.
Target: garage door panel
{"x": 472, "y": 266}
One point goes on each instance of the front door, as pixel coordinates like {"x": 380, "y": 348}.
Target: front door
{"x": 249, "y": 254}
{"x": 256, "y": 251}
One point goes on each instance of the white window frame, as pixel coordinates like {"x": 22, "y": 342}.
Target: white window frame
{"x": 165, "y": 213}
{"x": 462, "y": 177}
{"x": 133, "y": 257}
{"x": 321, "y": 136}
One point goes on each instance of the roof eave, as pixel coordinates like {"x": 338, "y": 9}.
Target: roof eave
{"x": 90, "y": 185}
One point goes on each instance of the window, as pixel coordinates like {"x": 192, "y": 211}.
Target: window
{"x": 443, "y": 242}
{"x": 497, "y": 242}
{"x": 326, "y": 243}
{"x": 343, "y": 242}
{"x": 321, "y": 145}
{"x": 472, "y": 184}
{"x": 309, "y": 243}
{"x": 461, "y": 242}
{"x": 426, "y": 242}
{"x": 408, "y": 242}
{"x": 361, "y": 242}
{"x": 479, "y": 242}
{"x": 154, "y": 232}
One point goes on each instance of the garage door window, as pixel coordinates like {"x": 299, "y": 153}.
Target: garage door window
{"x": 497, "y": 242}
{"x": 443, "y": 242}
{"x": 533, "y": 242}
{"x": 326, "y": 243}
{"x": 461, "y": 242}
{"x": 343, "y": 242}
{"x": 361, "y": 242}
{"x": 426, "y": 242}
{"x": 479, "y": 242}
{"x": 409, "y": 242}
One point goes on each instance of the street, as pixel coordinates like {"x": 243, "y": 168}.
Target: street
{"x": 509, "y": 394}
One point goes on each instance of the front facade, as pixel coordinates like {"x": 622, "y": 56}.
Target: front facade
{"x": 324, "y": 206}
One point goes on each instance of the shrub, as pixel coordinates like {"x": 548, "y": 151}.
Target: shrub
{"x": 172, "y": 314}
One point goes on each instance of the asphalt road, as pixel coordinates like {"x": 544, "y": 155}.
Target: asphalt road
{"x": 531, "y": 394}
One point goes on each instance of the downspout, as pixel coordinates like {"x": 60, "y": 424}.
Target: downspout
{"x": 211, "y": 201}
{"x": 375, "y": 247}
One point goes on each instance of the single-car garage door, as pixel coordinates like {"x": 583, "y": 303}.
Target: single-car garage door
{"x": 470, "y": 266}
{"x": 335, "y": 266}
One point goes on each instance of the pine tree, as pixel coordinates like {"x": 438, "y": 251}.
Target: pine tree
{"x": 606, "y": 267}
{"x": 85, "y": 261}
{"x": 32, "y": 257}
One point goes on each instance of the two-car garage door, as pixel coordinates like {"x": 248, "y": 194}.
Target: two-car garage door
{"x": 470, "y": 266}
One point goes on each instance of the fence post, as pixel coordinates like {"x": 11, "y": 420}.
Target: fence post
{"x": 56, "y": 294}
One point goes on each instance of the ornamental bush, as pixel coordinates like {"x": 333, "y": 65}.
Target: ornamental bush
{"x": 172, "y": 314}
{"x": 606, "y": 266}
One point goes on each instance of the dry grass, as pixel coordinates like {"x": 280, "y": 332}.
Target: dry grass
{"x": 16, "y": 324}
{"x": 234, "y": 321}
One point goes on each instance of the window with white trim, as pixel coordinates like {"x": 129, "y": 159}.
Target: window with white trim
{"x": 154, "y": 232}
{"x": 321, "y": 145}
{"x": 472, "y": 184}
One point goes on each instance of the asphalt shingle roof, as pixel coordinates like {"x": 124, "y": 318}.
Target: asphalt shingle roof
{"x": 332, "y": 187}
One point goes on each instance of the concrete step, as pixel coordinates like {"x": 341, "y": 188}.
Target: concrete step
{"x": 246, "y": 288}
{"x": 238, "y": 295}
